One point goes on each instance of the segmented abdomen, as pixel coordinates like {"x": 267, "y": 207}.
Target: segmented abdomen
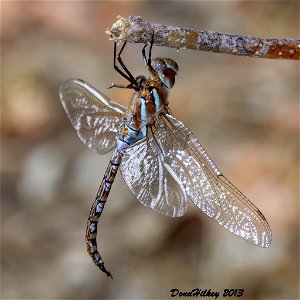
{"x": 97, "y": 208}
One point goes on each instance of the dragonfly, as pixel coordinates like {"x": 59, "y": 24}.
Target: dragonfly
{"x": 160, "y": 159}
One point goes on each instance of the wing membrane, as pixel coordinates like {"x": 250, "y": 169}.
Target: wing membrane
{"x": 152, "y": 181}
{"x": 173, "y": 152}
{"x": 212, "y": 192}
{"x": 94, "y": 116}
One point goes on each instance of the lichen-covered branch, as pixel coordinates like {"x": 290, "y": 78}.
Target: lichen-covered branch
{"x": 136, "y": 30}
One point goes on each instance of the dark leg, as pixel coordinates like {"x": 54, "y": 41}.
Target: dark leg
{"x": 131, "y": 80}
{"x": 144, "y": 54}
{"x": 128, "y": 76}
{"x": 150, "y": 50}
{"x": 148, "y": 61}
{"x": 123, "y": 65}
{"x": 120, "y": 86}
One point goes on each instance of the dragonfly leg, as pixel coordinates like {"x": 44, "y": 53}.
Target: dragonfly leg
{"x": 150, "y": 50}
{"x": 144, "y": 54}
{"x": 123, "y": 65}
{"x": 128, "y": 75}
{"x": 148, "y": 60}
{"x": 121, "y": 86}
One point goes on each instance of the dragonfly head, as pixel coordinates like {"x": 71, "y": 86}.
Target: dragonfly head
{"x": 166, "y": 69}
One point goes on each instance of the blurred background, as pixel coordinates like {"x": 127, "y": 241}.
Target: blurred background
{"x": 243, "y": 110}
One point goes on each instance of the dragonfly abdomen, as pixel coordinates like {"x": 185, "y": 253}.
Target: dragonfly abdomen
{"x": 97, "y": 208}
{"x": 127, "y": 136}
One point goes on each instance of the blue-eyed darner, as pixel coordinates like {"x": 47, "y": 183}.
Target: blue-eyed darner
{"x": 160, "y": 159}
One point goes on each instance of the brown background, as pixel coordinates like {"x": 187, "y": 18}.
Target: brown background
{"x": 243, "y": 110}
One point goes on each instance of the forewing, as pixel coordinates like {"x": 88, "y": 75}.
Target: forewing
{"x": 211, "y": 191}
{"x": 94, "y": 116}
{"x": 153, "y": 182}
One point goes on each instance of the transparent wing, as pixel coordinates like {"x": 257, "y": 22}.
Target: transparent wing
{"x": 146, "y": 171}
{"x": 172, "y": 166}
{"x": 94, "y": 116}
{"x": 208, "y": 188}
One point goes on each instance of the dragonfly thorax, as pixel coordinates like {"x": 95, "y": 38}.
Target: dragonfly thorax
{"x": 151, "y": 94}
{"x": 147, "y": 102}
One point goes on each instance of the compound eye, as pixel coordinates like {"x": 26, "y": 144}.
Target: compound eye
{"x": 167, "y": 76}
{"x": 172, "y": 64}
{"x": 158, "y": 64}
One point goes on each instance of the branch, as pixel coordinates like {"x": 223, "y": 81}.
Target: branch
{"x": 135, "y": 30}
